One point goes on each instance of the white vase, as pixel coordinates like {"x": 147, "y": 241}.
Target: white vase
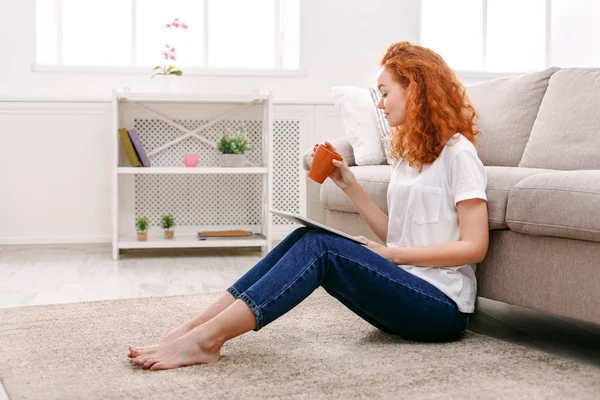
{"x": 168, "y": 83}
{"x": 233, "y": 160}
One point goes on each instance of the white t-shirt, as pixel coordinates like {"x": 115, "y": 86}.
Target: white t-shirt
{"x": 422, "y": 212}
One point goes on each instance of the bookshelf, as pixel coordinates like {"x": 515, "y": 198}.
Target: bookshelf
{"x": 207, "y": 197}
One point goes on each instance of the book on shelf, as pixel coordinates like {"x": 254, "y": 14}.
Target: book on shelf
{"x": 129, "y": 149}
{"x": 139, "y": 149}
{"x": 226, "y": 234}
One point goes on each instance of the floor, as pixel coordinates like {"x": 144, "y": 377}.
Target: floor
{"x": 52, "y": 274}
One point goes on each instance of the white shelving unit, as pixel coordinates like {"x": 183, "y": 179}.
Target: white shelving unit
{"x": 207, "y": 197}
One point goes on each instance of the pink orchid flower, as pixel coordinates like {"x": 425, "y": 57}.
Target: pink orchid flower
{"x": 170, "y": 53}
{"x": 177, "y": 23}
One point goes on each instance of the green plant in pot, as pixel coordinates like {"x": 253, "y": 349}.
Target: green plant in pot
{"x": 167, "y": 222}
{"x": 141, "y": 225}
{"x": 233, "y": 148}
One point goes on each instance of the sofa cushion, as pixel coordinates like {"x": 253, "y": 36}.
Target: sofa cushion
{"x": 507, "y": 109}
{"x": 373, "y": 178}
{"x": 560, "y": 203}
{"x": 566, "y": 133}
{"x": 500, "y": 181}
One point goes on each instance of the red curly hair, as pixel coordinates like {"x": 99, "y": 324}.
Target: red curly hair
{"x": 437, "y": 106}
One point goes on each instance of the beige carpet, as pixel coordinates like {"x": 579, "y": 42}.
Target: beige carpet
{"x": 317, "y": 350}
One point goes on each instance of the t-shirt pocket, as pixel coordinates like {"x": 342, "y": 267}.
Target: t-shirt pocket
{"x": 425, "y": 202}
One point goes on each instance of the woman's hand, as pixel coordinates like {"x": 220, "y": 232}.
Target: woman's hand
{"x": 341, "y": 176}
{"x": 375, "y": 247}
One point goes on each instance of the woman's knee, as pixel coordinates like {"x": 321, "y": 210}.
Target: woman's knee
{"x": 316, "y": 239}
{"x": 322, "y": 240}
{"x": 319, "y": 235}
{"x": 300, "y": 232}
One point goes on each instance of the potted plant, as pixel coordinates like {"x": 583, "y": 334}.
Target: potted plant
{"x": 167, "y": 224}
{"x": 169, "y": 73}
{"x": 141, "y": 224}
{"x": 233, "y": 148}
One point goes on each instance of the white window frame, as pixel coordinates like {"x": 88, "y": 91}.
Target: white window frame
{"x": 487, "y": 74}
{"x": 277, "y": 71}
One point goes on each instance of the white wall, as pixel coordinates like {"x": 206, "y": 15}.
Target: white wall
{"x": 55, "y": 164}
{"x": 341, "y": 44}
{"x": 55, "y": 156}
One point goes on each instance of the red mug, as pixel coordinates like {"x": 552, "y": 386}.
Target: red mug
{"x": 322, "y": 164}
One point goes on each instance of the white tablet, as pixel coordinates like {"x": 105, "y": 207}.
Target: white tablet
{"x": 314, "y": 224}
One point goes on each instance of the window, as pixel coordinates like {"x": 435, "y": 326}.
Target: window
{"x": 218, "y": 34}
{"x": 512, "y": 35}
{"x": 575, "y": 32}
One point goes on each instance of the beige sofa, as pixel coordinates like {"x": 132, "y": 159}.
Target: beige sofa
{"x": 540, "y": 144}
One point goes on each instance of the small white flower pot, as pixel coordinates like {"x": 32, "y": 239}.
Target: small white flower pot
{"x": 167, "y": 83}
{"x": 233, "y": 160}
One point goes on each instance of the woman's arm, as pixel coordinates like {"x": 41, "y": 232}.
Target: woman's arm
{"x": 344, "y": 178}
{"x": 471, "y": 248}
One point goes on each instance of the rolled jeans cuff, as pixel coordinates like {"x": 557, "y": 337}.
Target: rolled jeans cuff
{"x": 255, "y": 309}
{"x": 233, "y": 291}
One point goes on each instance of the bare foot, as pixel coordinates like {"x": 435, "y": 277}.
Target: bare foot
{"x": 190, "y": 349}
{"x": 175, "y": 334}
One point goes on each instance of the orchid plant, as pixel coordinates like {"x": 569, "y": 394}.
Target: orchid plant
{"x": 170, "y": 53}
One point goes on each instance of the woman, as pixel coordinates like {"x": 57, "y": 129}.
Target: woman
{"x": 421, "y": 285}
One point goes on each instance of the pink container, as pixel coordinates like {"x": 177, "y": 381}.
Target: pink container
{"x": 191, "y": 160}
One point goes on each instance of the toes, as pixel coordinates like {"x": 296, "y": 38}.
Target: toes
{"x": 150, "y": 363}
{"x": 143, "y": 350}
{"x": 140, "y": 359}
{"x": 133, "y": 352}
{"x": 161, "y": 365}
{"x": 156, "y": 366}
{"x": 165, "y": 362}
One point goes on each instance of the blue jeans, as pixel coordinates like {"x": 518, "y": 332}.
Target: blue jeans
{"x": 374, "y": 288}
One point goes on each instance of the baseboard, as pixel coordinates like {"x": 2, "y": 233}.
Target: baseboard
{"x": 53, "y": 239}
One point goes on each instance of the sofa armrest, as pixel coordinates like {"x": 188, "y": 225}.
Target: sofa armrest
{"x": 343, "y": 146}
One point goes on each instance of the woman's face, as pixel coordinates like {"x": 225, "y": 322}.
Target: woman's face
{"x": 393, "y": 98}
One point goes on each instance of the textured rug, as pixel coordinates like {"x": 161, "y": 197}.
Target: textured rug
{"x": 317, "y": 350}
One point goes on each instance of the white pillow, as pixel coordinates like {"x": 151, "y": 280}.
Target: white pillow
{"x": 360, "y": 120}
